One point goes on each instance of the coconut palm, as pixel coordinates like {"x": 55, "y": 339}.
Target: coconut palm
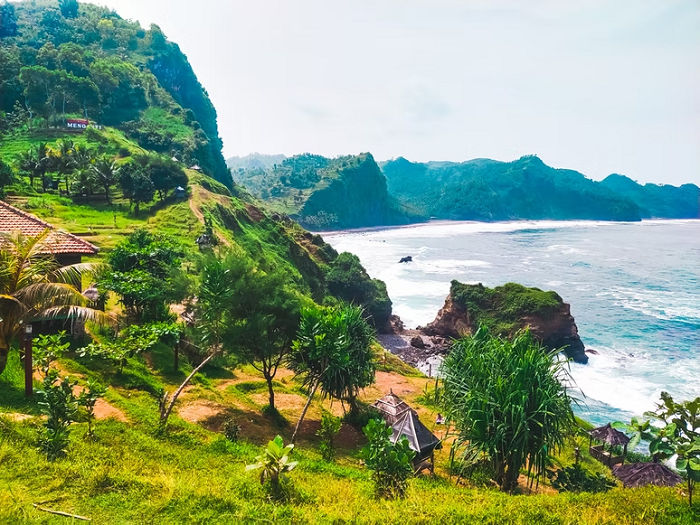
{"x": 107, "y": 173}
{"x": 34, "y": 287}
{"x": 33, "y": 162}
{"x": 62, "y": 160}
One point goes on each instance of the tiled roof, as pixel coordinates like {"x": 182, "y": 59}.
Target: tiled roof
{"x": 13, "y": 219}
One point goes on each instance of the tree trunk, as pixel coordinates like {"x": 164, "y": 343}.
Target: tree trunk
{"x": 165, "y": 411}
{"x": 4, "y": 352}
{"x": 107, "y": 194}
{"x": 303, "y": 412}
{"x": 270, "y": 390}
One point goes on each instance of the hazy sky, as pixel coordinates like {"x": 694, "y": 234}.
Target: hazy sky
{"x": 598, "y": 86}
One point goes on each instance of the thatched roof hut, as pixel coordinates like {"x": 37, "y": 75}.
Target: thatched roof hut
{"x": 641, "y": 474}
{"x": 404, "y": 422}
{"x": 607, "y": 435}
{"x": 610, "y": 436}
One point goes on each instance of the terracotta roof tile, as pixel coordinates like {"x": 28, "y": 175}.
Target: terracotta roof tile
{"x": 13, "y": 219}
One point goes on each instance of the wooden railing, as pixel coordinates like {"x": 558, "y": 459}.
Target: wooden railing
{"x": 604, "y": 456}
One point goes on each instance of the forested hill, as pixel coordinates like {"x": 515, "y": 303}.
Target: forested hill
{"x": 484, "y": 189}
{"x": 658, "y": 200}
{"x": 83, "y": 61}
{"x": 323, "y": 193}
{"x": 133, "y": 167}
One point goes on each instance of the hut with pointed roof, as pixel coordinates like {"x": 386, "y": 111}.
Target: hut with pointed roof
{"x": 642, "y": 474}
{"x": 65, "y": 247}
{"x": 404, "y": 421}
{"x": 607, "y": 435}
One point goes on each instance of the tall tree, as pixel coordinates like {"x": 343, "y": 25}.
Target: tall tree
{"x": 331, "y": 352}
{"x": 506, "y": 399}
{"x": 33, "y": 286}
{"x": 143, "y": 268}
{"x": 34, "y": 162}
{"x": 106, "y": 173}
{"x": 136, "y": 185}
{"x": 6, "y": 175}
{"x": 69, "y": 8}
{"x": 8, "y": 20}
{"x": 61, "y": 160}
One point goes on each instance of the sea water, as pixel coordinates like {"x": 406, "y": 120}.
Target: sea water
{"x": 634, "y": 290}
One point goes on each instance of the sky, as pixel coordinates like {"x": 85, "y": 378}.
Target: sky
{"x": 597, "y": 86}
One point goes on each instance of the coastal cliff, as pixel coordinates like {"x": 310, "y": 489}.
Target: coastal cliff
{"x": 505, "y": 310}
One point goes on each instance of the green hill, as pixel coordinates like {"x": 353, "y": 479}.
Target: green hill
{"x": 147, "y": 108}
{"x": 93, "y": 64}
{"x": 489, "y": 190}
{"x": 658, "y": 200}
{"x": 323, "y": 193}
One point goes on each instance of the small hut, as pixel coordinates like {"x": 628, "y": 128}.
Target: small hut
{"x": 607, "y": 435}
{"x": 196, "y": 167}
{"x": 180, "y": 192}
{"x": 404, "y": 421}
{"x": 642, "y": 474}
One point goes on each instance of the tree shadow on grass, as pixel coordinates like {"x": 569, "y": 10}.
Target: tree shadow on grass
{"x": 12, "y": 398}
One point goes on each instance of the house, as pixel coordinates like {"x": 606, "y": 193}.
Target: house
{"x": 404, "y": 421}
{"x": 65, "y": 247}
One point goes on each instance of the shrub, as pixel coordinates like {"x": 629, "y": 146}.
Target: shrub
{"x": 361, "y": 414}
{"x": 274, "y": 464}
{"x": 60, "y": 405}
{"x": 576, "y": 479}
{"x": 330, "y": 426}
{"x": 87, "y": 400}
{"x": 48, "y": 348}
{"x": 516, "y": 422}
{"x": 231, "y": 429}
{"x": 391, "y": 463}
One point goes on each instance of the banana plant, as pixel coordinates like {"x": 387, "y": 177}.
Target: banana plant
{"x": 274, "y": 464}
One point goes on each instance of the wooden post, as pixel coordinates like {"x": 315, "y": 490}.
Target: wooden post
{"x": 176, "y": 356}
{"x": 28, "y": 368}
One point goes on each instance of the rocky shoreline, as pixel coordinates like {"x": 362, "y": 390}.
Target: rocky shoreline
{"x": 546, "y": 315}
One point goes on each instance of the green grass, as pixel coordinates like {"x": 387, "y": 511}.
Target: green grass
{"x": 131, "y": 473}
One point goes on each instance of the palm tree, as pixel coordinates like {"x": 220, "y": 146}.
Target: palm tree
{"x": 33, "y": 162}
{"x": 332, "y": 352}
{"x": 63, "y": 161}
{"x": 107, "y": 173}
{"x": 34, "y": 287}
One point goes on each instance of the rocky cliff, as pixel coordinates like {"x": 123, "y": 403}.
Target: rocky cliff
{"x": 507, "y": 309}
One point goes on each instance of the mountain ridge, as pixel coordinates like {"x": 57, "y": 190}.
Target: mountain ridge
{"x": 484, "y": 189}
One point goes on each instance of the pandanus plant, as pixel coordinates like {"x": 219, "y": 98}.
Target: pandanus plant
{"x": 33, "y": 286}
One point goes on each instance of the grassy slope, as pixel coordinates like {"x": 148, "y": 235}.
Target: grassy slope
{"x": 130, "y": 474}
{"x": 193, "y": 475}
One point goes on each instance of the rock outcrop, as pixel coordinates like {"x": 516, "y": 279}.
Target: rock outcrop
{"x": 505, "y": 310}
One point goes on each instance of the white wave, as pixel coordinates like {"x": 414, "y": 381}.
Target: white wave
{"x": 633, "y": 382}
{"x": 563, "y": 248}
{"x": 661, "y": 304}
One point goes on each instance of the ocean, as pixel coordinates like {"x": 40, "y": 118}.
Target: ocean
{"x": 634, "y": 290}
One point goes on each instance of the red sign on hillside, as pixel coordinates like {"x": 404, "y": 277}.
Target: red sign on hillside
{"x": 77, "y": 123}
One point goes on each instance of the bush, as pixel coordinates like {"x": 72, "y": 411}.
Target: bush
{"x": 391, "y": 463}
{"x": 60, "y": 405}
{"x": 231, "y": 429}
{"x": 576, "y": 479}
{"x": 360, "y": 415}
{"x": 274, "y": 464}
{"x": 330, "y": 426}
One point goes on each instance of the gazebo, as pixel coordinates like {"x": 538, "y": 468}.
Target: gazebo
{"x": 404, "y": 421}
{"x": 607, "y": 435}
{"x": 641, "y": 474}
